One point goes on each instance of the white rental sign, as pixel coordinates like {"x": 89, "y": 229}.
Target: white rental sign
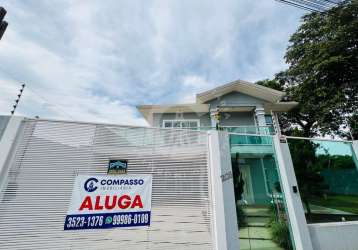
{"x": 105, "y": 201}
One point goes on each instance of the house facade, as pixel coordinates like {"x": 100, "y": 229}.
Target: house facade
{"x": 265, "y": 165}
{"x": 240, "y": 106}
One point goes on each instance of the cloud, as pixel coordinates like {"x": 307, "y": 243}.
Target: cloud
{"x": 90, "y": 61}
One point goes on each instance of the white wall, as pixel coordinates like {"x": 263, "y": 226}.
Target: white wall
{"x": 225, "y": 222}
{"x": 334, "y": 236}
{"x": 10, "y": 131}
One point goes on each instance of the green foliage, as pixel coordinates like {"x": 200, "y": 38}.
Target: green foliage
{"x": 335, "y": 162}
{"x": 280, "y": 234}
{"x": 323, "y": 73}
{"x": 273, "y": 84}
{"x": 307, "y": 167}
{"x": 237, "y": 176}
{"x": 238, "y": 189}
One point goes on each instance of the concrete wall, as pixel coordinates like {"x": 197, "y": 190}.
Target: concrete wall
{"x": 235, "y": 99}
{"x": 3, "y": 123}
{"x": 334, "y": 236}
{"x": 222, "y": 188}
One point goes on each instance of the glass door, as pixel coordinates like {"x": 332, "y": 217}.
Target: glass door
{"x": 261, "y": 210}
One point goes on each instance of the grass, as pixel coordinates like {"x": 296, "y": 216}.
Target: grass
{"x": 346, "y": 203}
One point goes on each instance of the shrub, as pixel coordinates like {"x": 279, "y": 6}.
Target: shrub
{"x": 280, "y": 234}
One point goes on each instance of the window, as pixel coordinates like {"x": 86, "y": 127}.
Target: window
{"x": 181, "y": 123}
{"x": 268, "y": 119}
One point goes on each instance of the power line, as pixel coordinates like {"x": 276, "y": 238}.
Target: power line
{"x": 51, "y": 104}
{"x": 35, "y": 92}
{"x": 313, "y": 5}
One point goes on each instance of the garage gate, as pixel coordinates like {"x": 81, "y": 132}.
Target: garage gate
{"x": 38, "y": 178}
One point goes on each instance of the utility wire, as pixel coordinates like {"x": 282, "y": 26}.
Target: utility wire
{"x": 313, "y": 5}
{"x": 49, "y": 103}
{"x": 35, "y": 92}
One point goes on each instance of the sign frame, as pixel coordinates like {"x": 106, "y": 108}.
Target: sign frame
{"x": 108, "y": 201}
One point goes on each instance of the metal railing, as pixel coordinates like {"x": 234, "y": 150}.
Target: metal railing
{"x": 247, "y": 130}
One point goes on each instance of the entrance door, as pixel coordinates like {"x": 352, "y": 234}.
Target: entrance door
{"x": 248, "y": 194}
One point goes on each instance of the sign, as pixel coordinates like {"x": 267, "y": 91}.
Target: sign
{"x": 117, "y": 167}
{"x": 106, "y": 201}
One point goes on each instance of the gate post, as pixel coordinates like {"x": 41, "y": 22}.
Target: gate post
{"x": 355, "y": 151}
{"x": 7, "y": 144}
{"x": 225, "y": 229}
{"x": 297, "y": 219}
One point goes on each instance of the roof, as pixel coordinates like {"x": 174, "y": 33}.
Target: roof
{"x": 255, "y": 90}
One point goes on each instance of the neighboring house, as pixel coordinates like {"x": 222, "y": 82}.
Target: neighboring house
{"x": 242, "y": 105}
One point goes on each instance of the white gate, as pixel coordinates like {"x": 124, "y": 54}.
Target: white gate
{"x": 38, "y": 182}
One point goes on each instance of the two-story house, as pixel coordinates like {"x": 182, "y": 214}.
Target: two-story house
{"x": 240, "y": 106}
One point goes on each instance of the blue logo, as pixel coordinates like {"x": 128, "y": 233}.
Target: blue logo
{"x": 90, "y": 184}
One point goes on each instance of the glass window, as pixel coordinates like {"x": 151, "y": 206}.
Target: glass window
{"x": 185, "y": 124}
{"x": 176, "y": 124}
{"x": 193, "y": 124}
{"x": 268, "y": 119}
{"x": 181, "y": 124}
{"x": 168, "y": 124}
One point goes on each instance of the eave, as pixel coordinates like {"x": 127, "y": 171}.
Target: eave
{"x": 251, "y": 89}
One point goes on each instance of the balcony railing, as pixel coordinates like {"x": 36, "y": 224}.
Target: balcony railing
{"x": 246, "y": 130}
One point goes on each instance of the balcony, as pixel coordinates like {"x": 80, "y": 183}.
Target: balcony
{"x": 243, "y": 130}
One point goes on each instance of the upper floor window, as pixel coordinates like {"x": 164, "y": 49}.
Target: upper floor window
{"x": 268, "y": 119}
{"x": 181, "y": 123}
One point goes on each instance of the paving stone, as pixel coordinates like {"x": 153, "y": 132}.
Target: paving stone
{"x": 257, "y": 211}
{"x": 251, "y": 244}
{"x": 257, "y": 221}
{"x": 259, "y": 232}
{"x": 243, "y": 232}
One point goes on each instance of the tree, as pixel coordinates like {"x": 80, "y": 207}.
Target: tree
{"x": 323, "y": 73}
{"x": 306, "y": 164}
{"x": 239, "y": 184}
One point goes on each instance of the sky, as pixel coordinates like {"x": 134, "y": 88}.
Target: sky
{"x": 97, "y": 60}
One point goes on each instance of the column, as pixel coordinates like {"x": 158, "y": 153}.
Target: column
{"x": 355, "y": 152}
{"x": 225, "y": 228}
{"x": 7, "y": 146}
{"x": 260, "y": 116}
{"x": 214, "y": 114}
